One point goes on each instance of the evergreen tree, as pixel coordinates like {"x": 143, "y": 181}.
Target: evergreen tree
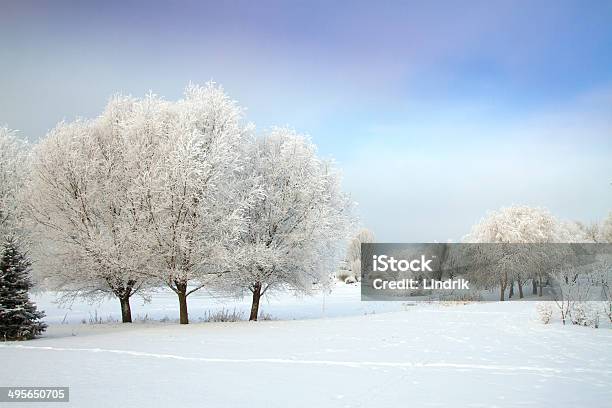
{"x": 19, "y": 319}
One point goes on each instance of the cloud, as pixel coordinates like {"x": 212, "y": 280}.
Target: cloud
{"x": 431, "y": 183}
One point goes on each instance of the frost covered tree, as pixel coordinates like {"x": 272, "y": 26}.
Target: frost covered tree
{"x": 516, "y": 224}
{"x": 605, "y": 232}
{"x": 87, "y": 216}
{"x": 353, "y": 256}
{"x": 192, "y": 187}
{"x": 593, "y": 232}
{"x": 295, "y": 235}
{"x": 14, "y": 154}
{"x": 141, "y": 195}
{"x": 19, "y": 319}
{"x": 586, "y": 232}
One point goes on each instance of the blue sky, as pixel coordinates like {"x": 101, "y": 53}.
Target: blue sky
{"x": 436, "y": 111}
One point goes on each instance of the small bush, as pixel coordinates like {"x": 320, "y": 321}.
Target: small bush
{"x": 142, "y": 319}
{"x": 585, "y": 314}
{"x": 460, "y": 298}
{"x": 343, "y": 274}
{"x": 265, "y": 316}
{"x": 607, "y": 307}
{"x": 223, "y": 315}
{"x": 545, "y": 312}
{"x": 350, "y": 280}
{"x": 96, "y": 319}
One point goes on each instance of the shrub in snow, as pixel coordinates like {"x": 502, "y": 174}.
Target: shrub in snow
{"x": 545, "y": 312}
{"x": 585, "y": 314}
{"x": 458, "y": 297}
{"x": 350, "y": 280}
{"x": 19, "y": 319}
{"x": 607, "y": 307}
{"x": 343, "y": 274}
{"x": 571, "y": 290}
{"x": 265, "y": 316}
{"x": 223, "y": 315}
{"x": 94, "y": 318}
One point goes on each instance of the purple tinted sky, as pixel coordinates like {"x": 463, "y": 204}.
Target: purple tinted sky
{"x": 436, "y": 111}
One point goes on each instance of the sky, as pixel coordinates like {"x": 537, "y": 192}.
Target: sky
{"x": 436, "y": 111}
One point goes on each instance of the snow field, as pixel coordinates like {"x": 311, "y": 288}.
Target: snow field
{"x": 427, "y": 355}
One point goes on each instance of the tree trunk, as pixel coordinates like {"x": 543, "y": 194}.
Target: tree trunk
{"x": 511, "y": 292}
{"x": 126, "y": 312}
{"x": 502, "y": 289}
{"x": 255, "y": 304}
{"x": 181, "y": 291}
{"x": 540, "y": 288}
{"x": 438, "y": 274}
{"x": 123, "y": 293}
{"x": 534, "y": 284}
{"x": 520, "y": 286}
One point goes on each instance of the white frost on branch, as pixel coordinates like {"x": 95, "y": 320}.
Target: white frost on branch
{"x": 14, "y": 159}
{"x": 295, "y": 236}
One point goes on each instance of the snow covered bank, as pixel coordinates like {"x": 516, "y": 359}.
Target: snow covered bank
{"x": 486, "y": 354}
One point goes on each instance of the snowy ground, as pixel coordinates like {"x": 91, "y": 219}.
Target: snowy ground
{"x": 343, "y": 301}
{"x": 478, "y": 355}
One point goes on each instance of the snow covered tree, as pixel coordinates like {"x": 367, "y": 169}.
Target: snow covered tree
{"x": 19, "y": 319}
{"x": 13, "y": 169}
{"x": 605, "y": 232}
{"x": 353, "y": 256}
{"x": 295, "y": 236}
{"x": 586, "y": 232}
{"x": 87, "y": 217}
{"x": 193, "y": 191}
{"x": 516, "y": 224}
{"x": 592, "y": 232}
{"x": 141, "y": 195}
